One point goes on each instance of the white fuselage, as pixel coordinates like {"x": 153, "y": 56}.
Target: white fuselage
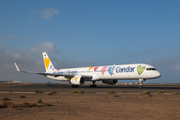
{"x": 111, "y": 72}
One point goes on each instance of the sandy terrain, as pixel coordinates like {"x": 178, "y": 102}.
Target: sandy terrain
{"x": 93, "y": 106}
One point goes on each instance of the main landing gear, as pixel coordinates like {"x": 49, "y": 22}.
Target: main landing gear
{"x": 93, "y": 84}
{"x": 141, "y": 83}
{"x": 75, "y": 86}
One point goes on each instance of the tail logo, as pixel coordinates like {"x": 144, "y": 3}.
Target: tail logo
{"x": 46, "y": 61}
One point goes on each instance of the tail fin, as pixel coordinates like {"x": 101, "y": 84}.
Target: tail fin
{"x": 47, "y": 63}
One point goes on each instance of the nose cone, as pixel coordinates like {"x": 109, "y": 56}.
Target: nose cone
{"x": 157, "y": 74}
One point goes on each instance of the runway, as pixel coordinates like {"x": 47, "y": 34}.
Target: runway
{"x": 64, "y": 88}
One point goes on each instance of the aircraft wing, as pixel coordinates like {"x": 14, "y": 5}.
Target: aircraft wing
{"x": 65, "y": 75}
{"x": 53, "y": 74}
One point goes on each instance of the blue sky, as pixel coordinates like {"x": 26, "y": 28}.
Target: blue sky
{"x": 78, "y": 33}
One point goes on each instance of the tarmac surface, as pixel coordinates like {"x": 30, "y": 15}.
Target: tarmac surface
{"x": 100, "y": 89}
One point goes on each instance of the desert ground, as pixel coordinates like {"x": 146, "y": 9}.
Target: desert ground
{"x": 92, "y": 106}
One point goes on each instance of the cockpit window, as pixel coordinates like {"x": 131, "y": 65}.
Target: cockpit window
{"x": 150, "y": 68}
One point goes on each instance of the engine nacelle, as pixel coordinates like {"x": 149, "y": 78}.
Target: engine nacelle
{"x": 77, "y": 80}
{"x": 110, "y": 82}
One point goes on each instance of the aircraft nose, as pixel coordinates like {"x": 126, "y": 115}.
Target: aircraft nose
{"x": 158, "y": 74}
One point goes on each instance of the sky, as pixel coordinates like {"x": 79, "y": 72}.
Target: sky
{"x": 82, "y": 33}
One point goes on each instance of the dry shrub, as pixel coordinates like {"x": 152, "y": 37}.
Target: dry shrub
{"x": 22, "y": 96}
{"x": 50, "y": 94}
{"x": 90, "y": 92}
{"x": 77, "y": 91}
{"x": 160, "y": 92}
{"x": 124, "y": 92}
{"x": 110, "y": 92}
{"x": 47, "y": 104}
{"x": 146, "y": 92}
{"x": 174, "y": 93}
{"x": 11, "y": 105}
{"x": 116, "y": 96}
{"x": 150, "y": 96}
{"x": 5, "y": 99}
{"x": 39, "y": 101}
{"x": 25, "y": 104}
{"x": 4, "y": 104}
{"x": 53, "y": 92}
{"x": 37, "y": 91}
{"x": 33, "y": 105}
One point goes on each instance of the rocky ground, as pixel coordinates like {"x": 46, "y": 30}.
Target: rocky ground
{"x": 92, "y": 106}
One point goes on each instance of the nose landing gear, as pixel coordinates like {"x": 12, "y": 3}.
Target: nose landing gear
{"x": 141, "y": 83}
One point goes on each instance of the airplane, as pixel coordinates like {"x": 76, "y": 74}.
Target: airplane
{"x": 109, "y": 74}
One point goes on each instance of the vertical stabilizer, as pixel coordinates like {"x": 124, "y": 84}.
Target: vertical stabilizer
{"x": 47, "y": 63}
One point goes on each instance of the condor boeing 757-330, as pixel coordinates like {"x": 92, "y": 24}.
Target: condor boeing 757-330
{"x": 109, "y": 74}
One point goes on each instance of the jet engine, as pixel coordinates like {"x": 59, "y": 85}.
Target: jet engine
{"x": 110, "y": 82}
{"x": 77, "y": 80}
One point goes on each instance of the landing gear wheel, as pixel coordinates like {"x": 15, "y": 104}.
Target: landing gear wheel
{"x": 141, "y": 83}
{"x": 93, "y": 84}
{"x": 141, "y": 87}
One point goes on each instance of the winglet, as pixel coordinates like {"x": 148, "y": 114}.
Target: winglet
{"x": 16, "y": 67}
